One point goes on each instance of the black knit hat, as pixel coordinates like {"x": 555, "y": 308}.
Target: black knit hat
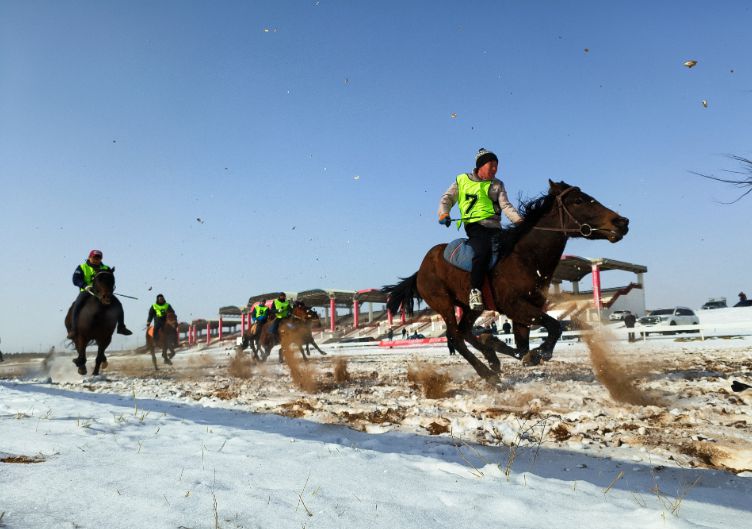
{"x": 483, "y": 157}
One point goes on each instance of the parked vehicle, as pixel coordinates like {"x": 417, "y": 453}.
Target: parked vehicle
{"x": 668, "y": 318}
{"x": 714, "y": 303}
{"x": 618, "y": 315}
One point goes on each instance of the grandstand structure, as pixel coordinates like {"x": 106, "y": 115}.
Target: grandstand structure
{"x": 361, "y": 315}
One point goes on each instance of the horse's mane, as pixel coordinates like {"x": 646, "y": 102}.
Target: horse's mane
{"x": 531, "y": 211}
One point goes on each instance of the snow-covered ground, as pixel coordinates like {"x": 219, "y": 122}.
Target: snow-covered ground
{"x": 607, "y": 434}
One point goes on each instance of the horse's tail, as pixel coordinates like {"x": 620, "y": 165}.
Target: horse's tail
{"x": 403, "y": 293}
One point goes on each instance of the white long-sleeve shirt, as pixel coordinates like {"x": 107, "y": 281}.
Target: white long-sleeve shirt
{"x": 496, "y": 192}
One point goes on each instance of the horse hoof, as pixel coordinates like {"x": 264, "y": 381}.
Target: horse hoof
{"x": 167, "y": 361}
{"x": 81, "y": 370}
{"x": 532, "y": 358}
{"x": 547, "y": 355}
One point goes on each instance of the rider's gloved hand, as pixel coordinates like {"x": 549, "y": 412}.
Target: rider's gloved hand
{"x": 445, "y": 220}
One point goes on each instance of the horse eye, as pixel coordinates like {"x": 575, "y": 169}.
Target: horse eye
{"x": 578, "y": 201}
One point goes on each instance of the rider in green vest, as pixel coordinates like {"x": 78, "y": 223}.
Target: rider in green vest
{"x": 481, "y": 198}
{"x": 280, "y": 309}
{"x": 259, "y": 315}
{"x": 158, "y": 312}
{"x": 83, "y": 277}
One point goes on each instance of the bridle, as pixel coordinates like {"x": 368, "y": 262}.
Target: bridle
{"x": 583, "y": 228}
{"x": 94, "y": 291}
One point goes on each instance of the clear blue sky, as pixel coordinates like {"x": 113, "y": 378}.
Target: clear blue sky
{"x": 121, "y": 123}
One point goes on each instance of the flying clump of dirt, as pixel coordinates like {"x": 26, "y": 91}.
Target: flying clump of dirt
{"x": 340, "y": 370}
{"x": 302, "y": 375}
{"x": 433, "y": 383}
{"x": 615, "y": 376}
{"x": 240, "y": 366}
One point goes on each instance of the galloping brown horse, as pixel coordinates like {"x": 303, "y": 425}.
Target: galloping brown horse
{"x": 96, "y": 321}
{"x": 519, "y": 282}
{"x": 293, "y": 330}
{"x": 167, "y": 339}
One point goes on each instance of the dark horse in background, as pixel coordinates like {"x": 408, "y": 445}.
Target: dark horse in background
{"x": 96, "y": 321}
{"x": 519, "y": 282}
{"x": 167, "y": 339}
{"x": 293, "y": 330}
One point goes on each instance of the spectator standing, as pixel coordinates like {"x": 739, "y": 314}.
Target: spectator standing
{"x": 390, "y": 334}
{"x": 629, "y": 323}
{"x": 507, "y": 327}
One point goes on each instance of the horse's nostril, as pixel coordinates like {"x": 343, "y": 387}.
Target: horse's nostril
{"x": 621, "y": 222}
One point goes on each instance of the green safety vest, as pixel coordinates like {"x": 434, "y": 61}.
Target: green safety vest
{"x": 473, "y": 200}
{"x": 260, "y": 310}
{"x": 282, "y": 309}
{"x": 90, "y": 272}
{"x": 161, "y": 310}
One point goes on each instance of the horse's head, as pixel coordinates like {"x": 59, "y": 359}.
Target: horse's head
{"x": 580, "y": 215}
{"x": 104, "y": 284}
{"x": 302, "y": 312}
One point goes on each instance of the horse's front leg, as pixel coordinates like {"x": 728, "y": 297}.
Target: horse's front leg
{"x": 165, "y": 357}
{"x": 453, "y": 333}
{"x": 101, "y": 360}
{"x": 80, "y": 360}
{"x": 466, "y": 330}
{"x": 153, "y": 356}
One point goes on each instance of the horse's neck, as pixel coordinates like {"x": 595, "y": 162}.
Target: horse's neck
{"x": 543, "y": 248}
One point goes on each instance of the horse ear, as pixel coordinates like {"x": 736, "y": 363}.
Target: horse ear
{"x": 112, "y": 269}
{"x": 554, "y": 188}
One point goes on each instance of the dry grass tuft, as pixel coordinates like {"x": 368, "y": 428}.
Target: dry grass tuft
{"x": 433, "y": 383}
{"x": 241, "y": 366}
{"x": 340, "y": 370}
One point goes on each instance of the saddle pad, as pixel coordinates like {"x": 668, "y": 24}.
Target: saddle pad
{"x": 460, "y": 254}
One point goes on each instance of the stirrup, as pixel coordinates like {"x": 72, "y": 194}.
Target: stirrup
{"x": 476, "y": 300}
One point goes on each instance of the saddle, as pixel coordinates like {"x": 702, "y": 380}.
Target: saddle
{"x": 460, "y": 254}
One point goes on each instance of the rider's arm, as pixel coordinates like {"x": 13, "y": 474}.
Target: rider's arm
{"x": 78, "y": 277}
{"x": 152, "y": 315}
{"x": 448, "y": 199}
{"x": 498, "y": 194}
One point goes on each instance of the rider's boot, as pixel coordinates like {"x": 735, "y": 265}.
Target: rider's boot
{"x": 122, "y": 329}
{"x": 476, "y": 300}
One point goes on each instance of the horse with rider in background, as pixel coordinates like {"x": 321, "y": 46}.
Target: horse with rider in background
{"x": 96, "y": 321}
{"x": 291, "y": 331}
{"x": 167, "y": 339}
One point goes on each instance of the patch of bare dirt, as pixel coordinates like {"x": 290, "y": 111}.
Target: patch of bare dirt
{"x": 297, "y": 408}
{"x": 24, "y": 460}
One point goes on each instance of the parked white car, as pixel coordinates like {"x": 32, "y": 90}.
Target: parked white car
{"x": 669, "y": 317}
{"x": 618, "y": 315}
